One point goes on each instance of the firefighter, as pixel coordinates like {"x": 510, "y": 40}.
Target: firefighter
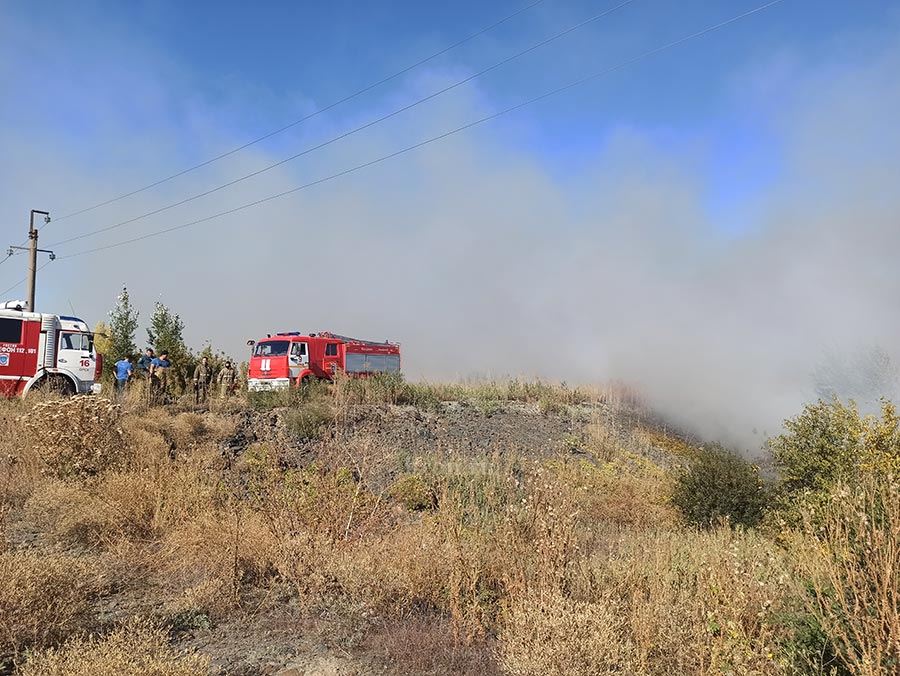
{"x": 227, "y": 378}
{"x": 202, "y": 380}
{"x": 159, "y": 376}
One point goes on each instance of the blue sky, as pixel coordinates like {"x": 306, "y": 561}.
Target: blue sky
{"x": 719, "y": 215}
{"x": 263, "y": 66}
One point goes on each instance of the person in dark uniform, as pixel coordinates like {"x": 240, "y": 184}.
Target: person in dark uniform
{"x": 202, "y": 380}
{"x": 227, "y": 379}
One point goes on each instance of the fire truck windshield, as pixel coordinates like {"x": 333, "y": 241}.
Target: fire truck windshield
{"x": 272, "y": 348}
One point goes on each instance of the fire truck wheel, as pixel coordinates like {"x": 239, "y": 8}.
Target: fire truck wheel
{"x": 55, "y": 385}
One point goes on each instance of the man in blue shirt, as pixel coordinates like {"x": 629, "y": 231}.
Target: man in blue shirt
{"x": 145, "y": 361}
{"x": 123, "y": 375}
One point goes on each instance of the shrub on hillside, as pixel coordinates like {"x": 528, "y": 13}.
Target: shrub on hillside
{"x": 831, "y": 442}
{"x": 717, "y": 485}
{"x": 309, "y": 421}
{"x": 413, "y": 492}
{"x": 820, "y": 444}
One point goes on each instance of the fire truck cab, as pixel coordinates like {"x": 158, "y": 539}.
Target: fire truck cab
{"x": 288, "y": 359}
{"x": 45, "y": 350}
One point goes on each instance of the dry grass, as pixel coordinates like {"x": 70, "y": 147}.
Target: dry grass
{"x": 551, "y": 397}
{"x": 136, "y": 505}
{"x": 625, "y": 491}
{"x": 549, "y": 634}
{"x": 851, "y": 556}
{"x": 210, "y": 561}
{"x": 656, "y": 603}
{"x": 448, "y": 564}
{"x": 76, "y": 438}
{"x": 425, "y": 645}
{"x": 136, "y": 649}
{"x": 43, "y": 599}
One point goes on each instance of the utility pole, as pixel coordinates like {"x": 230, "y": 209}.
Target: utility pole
{"x": 33, "y": 252}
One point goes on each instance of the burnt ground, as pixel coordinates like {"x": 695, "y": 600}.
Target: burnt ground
{"x": 458, "y": 428}
{"x": 467, "y": 430}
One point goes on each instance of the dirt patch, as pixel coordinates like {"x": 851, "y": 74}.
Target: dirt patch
{"x": 281, "y": 642}
{"x": 464, "y": 429}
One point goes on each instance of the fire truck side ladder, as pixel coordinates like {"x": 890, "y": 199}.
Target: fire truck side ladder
{"x": 348, "y": 339}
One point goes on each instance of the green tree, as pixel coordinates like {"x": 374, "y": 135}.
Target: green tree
{"x": 165, "y": 334}
{"x": 123, "y": 322}
{"x": 165, "y": 331}
{"x": 717, "y": 484}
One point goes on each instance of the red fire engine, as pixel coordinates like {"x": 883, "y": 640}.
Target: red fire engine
{"x": 287, "y": 359}
{"x": 38, "y": 349}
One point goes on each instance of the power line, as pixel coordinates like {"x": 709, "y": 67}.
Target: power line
{"x": 356, "y": 130}
{"x": 358, "y": 167}
{"x": 21, "y": 281}
{"x": 319, "y": 111}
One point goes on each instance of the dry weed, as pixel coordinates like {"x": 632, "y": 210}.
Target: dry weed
{"x": 697, "y": 602}
{"x": 626, "y": 491}
{"x": 136, "y": 505}
{"x": 694, "y": 604}
{"x": 211, "y": 559}
{"x": 549, "y": 634}
{"x": 851, "y": 557}
{"x": 78, "y": 437}
{"x": 136, "y": 649}
{"x": 423, "y": 644}
{"x": 187, "y": 430}
{"x": 43, "y": 599}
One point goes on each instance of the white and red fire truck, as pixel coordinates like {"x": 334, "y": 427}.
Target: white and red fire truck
{"x": 39, "y": 350}
{"x": 290, "y": 359}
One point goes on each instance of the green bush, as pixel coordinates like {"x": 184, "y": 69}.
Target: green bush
{"x": 717, "y": 484}
{"x": 309, "y": 421}
{"x": 413, "y": 492}
{"x": 806, "y": 647}
{"x": 311, "y": 390}
{"x": 820, "y": 444}
{"x": 831, "y": 442}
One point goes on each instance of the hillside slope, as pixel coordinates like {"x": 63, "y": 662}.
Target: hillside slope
{"x": 334, "y": 533}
